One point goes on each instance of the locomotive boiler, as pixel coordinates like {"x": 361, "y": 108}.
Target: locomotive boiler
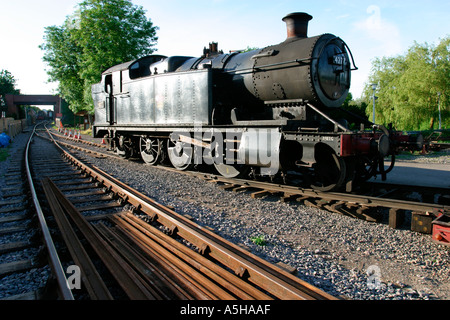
{"x": 255, "y": 113}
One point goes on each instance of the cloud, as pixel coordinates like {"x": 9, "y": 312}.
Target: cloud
{"x": 386, "y": 35}
{"x": 344, "y": 16}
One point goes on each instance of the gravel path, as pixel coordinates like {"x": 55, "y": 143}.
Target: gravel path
{"x": 346, "y": 257}
{"x": 441, "y": 157}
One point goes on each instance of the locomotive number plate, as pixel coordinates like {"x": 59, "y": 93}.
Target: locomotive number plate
{"x": 338, "y": 60}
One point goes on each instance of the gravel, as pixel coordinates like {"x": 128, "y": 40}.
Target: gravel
{"x": 346, "y": 257}
{"x": 441, "y": 157}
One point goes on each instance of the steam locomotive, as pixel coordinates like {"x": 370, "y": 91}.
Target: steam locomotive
{"x": 263, "y": 112}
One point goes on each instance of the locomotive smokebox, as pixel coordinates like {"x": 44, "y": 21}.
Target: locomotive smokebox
{"x": 297, "y": 24}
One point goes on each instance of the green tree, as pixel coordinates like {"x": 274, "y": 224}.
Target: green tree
{"x": 409, "y": 87}
{"x": 100, "y": 34}
{"x": 7, "y": 83}
{"x": 62, "y": 55}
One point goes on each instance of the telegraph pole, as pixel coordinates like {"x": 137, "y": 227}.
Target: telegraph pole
{"x": 439, "y": 107}
{"x": 374, "y": 87}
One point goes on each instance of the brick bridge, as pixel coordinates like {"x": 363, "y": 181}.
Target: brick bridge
{"x": 13, "y": 100}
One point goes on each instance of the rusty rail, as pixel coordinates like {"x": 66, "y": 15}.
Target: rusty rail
{"x": 149, "y": 264}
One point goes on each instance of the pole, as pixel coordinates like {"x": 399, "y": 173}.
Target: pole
{"x": 374, "y": 87}
{"x": 439, "y": 107}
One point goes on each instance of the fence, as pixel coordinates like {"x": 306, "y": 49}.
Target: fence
{"x": 12, "y": 127}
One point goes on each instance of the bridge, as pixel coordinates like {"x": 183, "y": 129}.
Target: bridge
{"x": 14, "y": 100}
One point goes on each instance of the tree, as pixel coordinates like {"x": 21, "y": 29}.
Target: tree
{"x": 100, "y": 34}
{"x": 7, "y": 83}
{"x": 62, "y": 54}
{"x": 411, "y": 86}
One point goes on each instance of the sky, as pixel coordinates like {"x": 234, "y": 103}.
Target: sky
{"x": 371, "y": 29}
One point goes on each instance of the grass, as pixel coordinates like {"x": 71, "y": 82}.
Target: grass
{"x": 259, "y": 240}
{"x": 4, "y": 154}
{"x": 87, "y": 132}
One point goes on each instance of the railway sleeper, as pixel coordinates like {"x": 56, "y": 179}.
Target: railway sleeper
{"x": 396, "y": 218}
{"x": 422, "y": 222}
{"x": 15, "y": 267}
{"x": 14, "y": 246}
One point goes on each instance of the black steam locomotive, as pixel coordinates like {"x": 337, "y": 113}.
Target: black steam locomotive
{"x": 261, "y": 112}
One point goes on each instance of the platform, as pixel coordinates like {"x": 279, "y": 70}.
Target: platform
{"x": 420, "y": 174}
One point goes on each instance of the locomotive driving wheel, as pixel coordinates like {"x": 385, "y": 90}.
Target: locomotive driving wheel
{"x": 151, "y": 150}
{"x": 125, "y": 147}
{"x": 180, "y": 154}
{"x": 329, "y": 171}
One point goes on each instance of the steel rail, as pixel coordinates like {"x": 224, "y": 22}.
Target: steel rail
{"x": 192, "y": 278}
{"x": 167, "y": 284}
{"x": 149, "y": 235}
{"x": 350, "y": 198}
{"x": 55, "y": 263}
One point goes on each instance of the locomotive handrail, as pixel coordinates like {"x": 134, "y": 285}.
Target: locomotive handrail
{"x": 351, "y": 55}
{"x": 309, "y": 59}
{"x": 269, "y": 65}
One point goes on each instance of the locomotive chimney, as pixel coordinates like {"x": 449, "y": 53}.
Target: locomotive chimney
{"x": 213, "y": 47}
{"x": 297, "y": 24}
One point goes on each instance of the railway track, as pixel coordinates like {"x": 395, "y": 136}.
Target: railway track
{"x": 396, "y": 205}
{"x": 29, "y": 264}
{"x": 371, "y": 205}
{"x": 143, "y": 249}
